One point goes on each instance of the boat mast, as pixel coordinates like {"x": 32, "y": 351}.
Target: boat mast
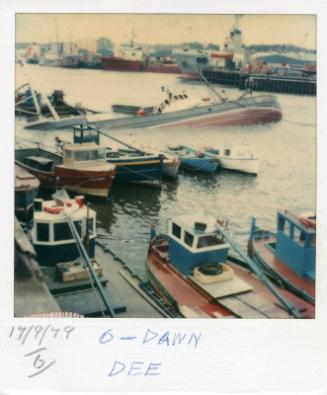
{"x": 89, "y": 265}
{"x": 216, "y": 95}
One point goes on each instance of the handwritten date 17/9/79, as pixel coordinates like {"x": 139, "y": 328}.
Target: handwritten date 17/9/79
{"x": 39, "y": 333}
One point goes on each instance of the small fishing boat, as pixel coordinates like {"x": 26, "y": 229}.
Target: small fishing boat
{"x": 63, "y": 235}
{"x": 81, "y": 168}
{"x": 194, "y": 160}
{"x": 26, "y": 190}
{"x": 289, "y": 255}
{"x": 190, "y": 269}
{"x": 236, "y": 158}
{"x": 133, "y": 164}
{"x": 51, "y": 234}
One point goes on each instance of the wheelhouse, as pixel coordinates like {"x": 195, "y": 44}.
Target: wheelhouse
{"x": 51, "y": 233}
{"x": 296, "y": 243}
{"x": 195, "y": 241}
{"x": 79, "y": 153}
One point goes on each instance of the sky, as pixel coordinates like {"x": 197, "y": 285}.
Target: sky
{"x": 165, "y": 29}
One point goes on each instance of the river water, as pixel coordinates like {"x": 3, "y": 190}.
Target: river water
{"x": 287, "y": 153}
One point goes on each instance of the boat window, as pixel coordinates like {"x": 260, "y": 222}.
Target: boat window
{"x": 62, "y": 232}
{"x": 68, "y": 154}
{"x": 176, "y": 230}
{"x": 287, "y": 229}
{"x": 227, "y": 152}
{"x": 81, "y": 155}
{"x": 188, "y": 238}
{"x": 93, "y": 155}
{"x": 299, "y": 236}
{"x": 209, "y": 241}
{"x": 42, "y": 232}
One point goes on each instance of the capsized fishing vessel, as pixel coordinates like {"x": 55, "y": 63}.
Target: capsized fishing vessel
{"x": 190, "y": 269}
{"x": 194, "y": 160}
{"x": 237, "y": 158}
{"x": 82, "y": 168}
{"x": 289, "y": 255}
{"x": 178, "y": 110}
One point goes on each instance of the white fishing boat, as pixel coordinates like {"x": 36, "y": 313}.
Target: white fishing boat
{"x": 238, "y": 158}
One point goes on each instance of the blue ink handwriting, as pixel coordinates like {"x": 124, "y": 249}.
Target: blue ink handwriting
{"x": 135, "y": 368}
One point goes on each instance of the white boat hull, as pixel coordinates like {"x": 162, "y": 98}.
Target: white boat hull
{"x": 243, "y": 165}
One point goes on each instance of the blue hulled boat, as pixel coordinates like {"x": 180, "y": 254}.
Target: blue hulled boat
{"x": 132, "y": 165}
{"x": 194, "y": 160}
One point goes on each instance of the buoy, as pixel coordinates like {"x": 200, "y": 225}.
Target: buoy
{"x": 141, "y": 112}
{"x": 53, "y": 210}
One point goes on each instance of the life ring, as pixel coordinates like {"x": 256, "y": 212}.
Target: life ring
{"x": 211, "y": 268}
{"x": 53, "y": 210}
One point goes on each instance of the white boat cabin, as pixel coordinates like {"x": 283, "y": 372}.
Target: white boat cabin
{"x": 86, "y": 152}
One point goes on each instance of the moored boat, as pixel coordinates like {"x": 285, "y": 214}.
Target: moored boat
{"x": 52, "y": 236}
{"x": 237, "y": 158}
{"x": 194, "y": 160}
{"x": 289, "y": 255}
{"x": 26, "y": 189}
{"x": 133, "y": 165}
{"x": 81, "y": 169}
{"x": 190, "y": 269}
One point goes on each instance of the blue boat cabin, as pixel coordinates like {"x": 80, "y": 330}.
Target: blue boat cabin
{"x": 296, "y": 244}
{"x": 195, "y": 241}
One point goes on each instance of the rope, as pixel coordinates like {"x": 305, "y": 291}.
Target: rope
{"x": 299, "y": 123}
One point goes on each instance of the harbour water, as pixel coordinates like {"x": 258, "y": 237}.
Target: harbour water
{"x": 287, "y": 153}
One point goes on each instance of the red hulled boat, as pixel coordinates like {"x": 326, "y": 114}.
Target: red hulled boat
{"x": 190, "y": 270}
{"x": 82, "y": 169}
{"x": 116, "y": 63}
{"x": 289, "y": 256}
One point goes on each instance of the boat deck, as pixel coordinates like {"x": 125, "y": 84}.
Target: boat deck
{"x": 250, "y": 298}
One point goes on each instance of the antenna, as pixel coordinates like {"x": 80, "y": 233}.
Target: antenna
{"x": 133, "y": 35}
{"x": 237, "y": 21}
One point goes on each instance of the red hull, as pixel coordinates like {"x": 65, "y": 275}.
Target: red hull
{"x": 178, "y": 290}
{"x": 120, "y": 64}
{"x": 190, "y": 77}
{"x": 88, "y": 182}
{"x": 245, "y": 116}
{"x": 259, "y": 248}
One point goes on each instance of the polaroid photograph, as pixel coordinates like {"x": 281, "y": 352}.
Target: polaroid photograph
{"x": 163, "y": 184}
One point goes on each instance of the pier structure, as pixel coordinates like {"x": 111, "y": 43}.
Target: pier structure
{"x": 263, "y": 81}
